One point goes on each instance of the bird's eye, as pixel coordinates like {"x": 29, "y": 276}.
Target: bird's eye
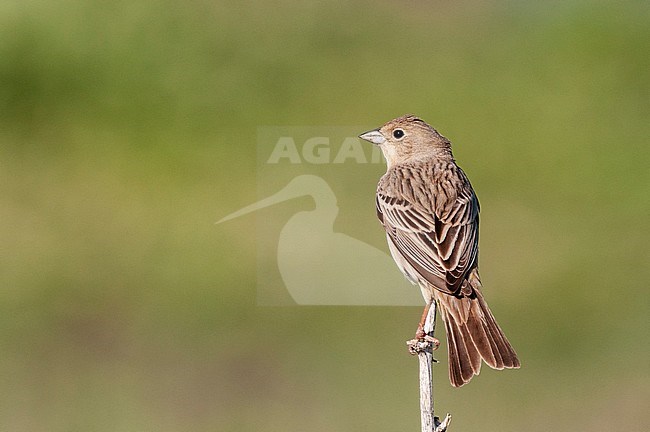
{"x": 398, "y": 133}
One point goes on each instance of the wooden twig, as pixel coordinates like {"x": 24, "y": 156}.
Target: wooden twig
{"x": 424, "y": 350}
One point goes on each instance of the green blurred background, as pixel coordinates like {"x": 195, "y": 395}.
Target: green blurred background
{"x": 128, "y": 128}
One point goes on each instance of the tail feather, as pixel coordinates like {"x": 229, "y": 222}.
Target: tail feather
{"x": 464, "y": 359}
{"x": 473, "y": 336}
{"x": 508, "y": 356}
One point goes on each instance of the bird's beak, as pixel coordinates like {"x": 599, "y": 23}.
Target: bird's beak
{"x": 373, "y": 136}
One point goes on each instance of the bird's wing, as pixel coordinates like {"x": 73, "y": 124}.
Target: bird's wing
{"x": 441, "y": 245}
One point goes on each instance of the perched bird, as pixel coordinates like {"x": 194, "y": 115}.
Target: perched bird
{"x": 430, "y": 213}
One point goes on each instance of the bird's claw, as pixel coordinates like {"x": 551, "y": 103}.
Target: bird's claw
{"x": 433, "y": 341}
{"x": 425, "y": 344}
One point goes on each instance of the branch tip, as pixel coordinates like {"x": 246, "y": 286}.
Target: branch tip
{"x": 442, "y": 426}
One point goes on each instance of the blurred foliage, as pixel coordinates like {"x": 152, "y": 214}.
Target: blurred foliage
{"x": 128, "y": 128}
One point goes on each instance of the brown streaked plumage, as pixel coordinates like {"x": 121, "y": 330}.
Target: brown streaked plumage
{"x": 430, "y": 212}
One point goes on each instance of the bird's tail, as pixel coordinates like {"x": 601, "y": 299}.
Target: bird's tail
{"x": 473, "y": 334}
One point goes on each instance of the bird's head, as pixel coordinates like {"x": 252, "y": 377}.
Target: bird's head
{"x": 407, "y": 139}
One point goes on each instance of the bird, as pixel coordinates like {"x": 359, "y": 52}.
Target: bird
{"x": 320, "y": 266}
{"x": 430, "y": 213}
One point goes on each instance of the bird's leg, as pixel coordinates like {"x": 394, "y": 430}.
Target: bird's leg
{"x": 424, "y": 342}
{"x": 420, "y": 333}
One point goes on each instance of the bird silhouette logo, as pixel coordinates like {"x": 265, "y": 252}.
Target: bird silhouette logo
{"x": 322, "y": 267}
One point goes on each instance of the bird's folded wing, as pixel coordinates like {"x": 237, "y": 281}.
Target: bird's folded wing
{"x": 440, "y": 246}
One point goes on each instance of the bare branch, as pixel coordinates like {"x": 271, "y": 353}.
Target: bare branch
{"x": 424, "y": 350}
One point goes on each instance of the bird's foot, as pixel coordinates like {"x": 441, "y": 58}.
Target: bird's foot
{"x": 421, "y": 335}
{"x": 435, "y": 343}
{"x": 425, "y": 343}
